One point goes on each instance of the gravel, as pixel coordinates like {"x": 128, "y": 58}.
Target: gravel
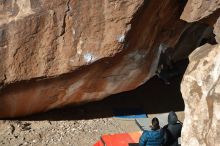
{"x": 56, "y": 133}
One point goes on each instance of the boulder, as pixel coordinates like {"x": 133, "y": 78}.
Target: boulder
{"x": 200, "y": 85}
{"x": 201, "y": 92}
{"x": 196, "y": 10}
{"x": 60, "y": 52}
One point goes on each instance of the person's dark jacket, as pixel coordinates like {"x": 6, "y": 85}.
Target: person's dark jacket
{"x": 172, "y": 131}
{"x": 151, "y": 138}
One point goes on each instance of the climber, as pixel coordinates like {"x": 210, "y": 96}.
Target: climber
{"x": 153, "y": 137}
{"x": 166, "y": 69}
{"x": 172, "y": 131}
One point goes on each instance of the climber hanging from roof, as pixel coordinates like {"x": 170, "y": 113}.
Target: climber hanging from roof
{"x": 194, "y": 35}
{"x": 165, "y": 68}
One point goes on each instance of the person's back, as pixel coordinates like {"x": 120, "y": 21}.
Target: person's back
{"x": 172, "y": 130}
{"x": 152, "y": 137}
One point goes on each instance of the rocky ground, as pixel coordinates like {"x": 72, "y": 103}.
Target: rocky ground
{"x": 64, "y": 132}
{"x": 56, "y": 133}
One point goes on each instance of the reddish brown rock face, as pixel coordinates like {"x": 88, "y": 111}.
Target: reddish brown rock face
{"x": 54, "y": 53}
{"x": 46, "y": 38}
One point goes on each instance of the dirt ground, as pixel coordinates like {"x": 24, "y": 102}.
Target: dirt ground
{"x": 57, "y": 133}
{"x": 83, "y": 125}
{"x": 65, "y": 132}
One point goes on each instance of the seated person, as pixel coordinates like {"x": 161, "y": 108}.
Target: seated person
{"x": 153, "y": 137}
{"x": 172, "y": 131}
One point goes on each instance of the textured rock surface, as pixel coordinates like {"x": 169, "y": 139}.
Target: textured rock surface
{"x": 55, "y": 53}
{"x": 217, "y": 30}
{"x": 201, "y": 92}
{"x": 199, "y": 9}
{"x": 200, "y": 86}
{"x": 49, "y": 38}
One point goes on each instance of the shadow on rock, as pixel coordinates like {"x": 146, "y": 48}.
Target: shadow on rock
{"x": 153, "y": 97}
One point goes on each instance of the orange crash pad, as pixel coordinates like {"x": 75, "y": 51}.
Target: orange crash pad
{"x": 119, "y": 139}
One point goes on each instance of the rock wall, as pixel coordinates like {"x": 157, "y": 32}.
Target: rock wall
{"x": 201, "y": 92}
{"x": 54, "y": 53}
{"x": 49, "y": 38}
{"x": 196, "y": 10}
{"x": 200, "y": 86}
